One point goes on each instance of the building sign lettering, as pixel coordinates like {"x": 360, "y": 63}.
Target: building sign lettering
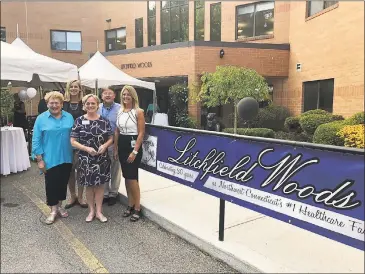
{"x": 137, "y": 65}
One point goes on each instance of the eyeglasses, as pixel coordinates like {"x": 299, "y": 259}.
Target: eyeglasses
{"x": 90, "y": 104}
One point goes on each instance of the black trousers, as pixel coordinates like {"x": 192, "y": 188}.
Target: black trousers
{"x": 56, "y": 179}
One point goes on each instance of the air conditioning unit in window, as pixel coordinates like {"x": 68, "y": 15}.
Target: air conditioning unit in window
{"x": 299, "y": 67}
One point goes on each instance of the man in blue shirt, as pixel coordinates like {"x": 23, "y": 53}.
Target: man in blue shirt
{"x": 51, "y": 146}
{"x": 109, "y": 110}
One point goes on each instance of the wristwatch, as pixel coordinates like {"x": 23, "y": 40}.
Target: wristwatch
{"x": 135, "y": 152}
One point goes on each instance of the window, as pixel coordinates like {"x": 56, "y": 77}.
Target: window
{"x": 199, "y": 20}
{"x": 139, "y": 32}
{"x": 115, "y": 39}
{"x": 318, "y": 95}
{"x": 215, "y": 22}
{"x": 66, "y": 40}
{"x": 255, "y": 20}
{"x": 174, "y": 21}
{"x": 314, "y": 7}
{"x": 3, "y": 34}
{"x": 151, "y": 23}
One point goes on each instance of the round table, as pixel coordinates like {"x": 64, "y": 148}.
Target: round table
{"x": 14, "y": 152}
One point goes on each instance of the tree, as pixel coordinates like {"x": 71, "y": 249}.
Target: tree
{"x": 230, "y": 84}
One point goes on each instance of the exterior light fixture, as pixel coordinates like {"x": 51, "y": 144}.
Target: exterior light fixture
{"x": 221, "y": 53}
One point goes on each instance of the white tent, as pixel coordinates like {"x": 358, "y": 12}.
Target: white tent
{"x": 99, "y": 69}
{"x": 20, "y": 64}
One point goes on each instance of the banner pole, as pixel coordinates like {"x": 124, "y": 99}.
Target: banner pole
{"x": 221, "y": 219}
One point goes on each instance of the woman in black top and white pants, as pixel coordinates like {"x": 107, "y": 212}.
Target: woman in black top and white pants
{"x": 73, "y": 105}
{"x": 128, "y": 147}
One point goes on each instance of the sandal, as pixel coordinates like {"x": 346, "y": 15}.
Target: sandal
{"x": 69, "y": 205}
{"x": 128, "y": 212}
{"x": 136, "y": 215}
{"x": 62, "y": 212}
{"x": 51, "y": 218}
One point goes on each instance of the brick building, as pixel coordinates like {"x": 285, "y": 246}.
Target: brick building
{"x": 310, "y": 59}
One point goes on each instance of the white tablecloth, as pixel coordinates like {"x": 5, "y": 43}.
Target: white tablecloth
{"x": 14, "y": 152}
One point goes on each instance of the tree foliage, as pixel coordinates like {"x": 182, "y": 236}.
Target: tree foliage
{"x": 229, "y": 84}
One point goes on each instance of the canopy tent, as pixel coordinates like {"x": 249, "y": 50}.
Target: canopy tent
{"x": 20, "y": 64}
{"x": 98, "y": 72}
{"x": 99, "y": 69}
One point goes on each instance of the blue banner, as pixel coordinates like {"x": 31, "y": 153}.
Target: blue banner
{"x": 319, "y": 189}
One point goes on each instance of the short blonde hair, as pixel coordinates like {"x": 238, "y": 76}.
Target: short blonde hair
{"x": 54, "y": 95}
{"x": 133, "y": 93}
{"x": 67, "y": 92}
{"x": 87, "y": 97}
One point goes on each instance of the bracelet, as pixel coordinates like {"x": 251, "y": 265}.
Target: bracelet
{"x": 135, "y": 152}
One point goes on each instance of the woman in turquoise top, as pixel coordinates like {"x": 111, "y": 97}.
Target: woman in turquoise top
{"x": 53, "y": 151}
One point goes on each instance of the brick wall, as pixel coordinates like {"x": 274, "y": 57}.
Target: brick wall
{"x": 330, "y": 45}
{"x": 44, "y": 16}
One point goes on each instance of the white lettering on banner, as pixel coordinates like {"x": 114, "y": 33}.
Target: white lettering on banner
{"x": 176, "y": 171}
{"x": 333, "y": 221}
{"x": 280, "y": 173}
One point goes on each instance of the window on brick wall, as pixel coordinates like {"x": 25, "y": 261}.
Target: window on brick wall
{"x": 116, "y": 39}
{"x": 314, "y": 7}
{"x": 139, "y": 32}
{"x": 151, "y": 23}
{"x": 215, "y": 22}
{"x": 199, "y": 12}
{"x": 255, "y": 20}
{"x": 318, "y": 95}
{"x": 174, "y": 21}
{"x": 3, "y": 34}
{"x": 66, "y": 40}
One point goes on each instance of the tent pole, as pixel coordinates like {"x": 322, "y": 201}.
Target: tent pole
{"x": 96, "y": 87}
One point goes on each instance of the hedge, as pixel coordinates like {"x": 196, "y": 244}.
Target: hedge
{"x": 356, "y": 119}
{"x": 327, "y": 134}
{"x": 272, "y": 117}
{"x": 258, "y": 132}
{"x": 309, "y": 123}
{"x": 293, "y": 136}
{"x": 292, "y": 124}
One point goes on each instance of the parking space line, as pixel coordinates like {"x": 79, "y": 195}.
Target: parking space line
{"x": 81, "y": 250}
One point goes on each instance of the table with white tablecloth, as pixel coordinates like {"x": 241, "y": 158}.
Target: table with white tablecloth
{"x": 14, "y": 152}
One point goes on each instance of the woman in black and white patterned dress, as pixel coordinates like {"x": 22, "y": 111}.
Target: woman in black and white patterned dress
{"x": 92, "y": 135}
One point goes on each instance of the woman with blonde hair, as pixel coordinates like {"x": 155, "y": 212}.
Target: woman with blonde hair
{"x": 92, "y": 135}
{"x": 128, "y": 138}
{"x": 52, "y": 148}
{"x": 73, "y": 105}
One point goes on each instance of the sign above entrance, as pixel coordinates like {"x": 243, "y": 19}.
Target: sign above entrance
{"x": 136, "y": 65}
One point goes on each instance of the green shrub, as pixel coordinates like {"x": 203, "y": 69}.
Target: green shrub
{"x": 310, "y": 122}
{"x": 314, "y": 111}
{"x": 356, "y": 119}
{"x": 292, "y": 124}
{"x": 336, "y": 117}
{"x": 327, "y": 133}
{"x": 293, "y": 136}
{"x": 272, "y": 117}
{"x": 258, "y": 132}
{"x": 186, "y": 121}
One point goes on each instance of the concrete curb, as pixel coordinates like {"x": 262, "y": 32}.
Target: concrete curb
{"x": 228, "y": 258}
